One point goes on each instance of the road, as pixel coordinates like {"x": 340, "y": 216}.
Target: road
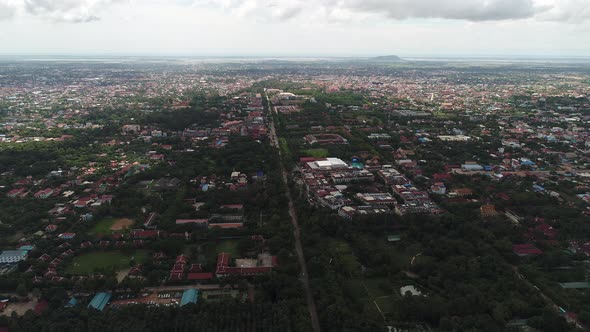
{"x": 547, "y": 299}
{"x": 315, "y": 322}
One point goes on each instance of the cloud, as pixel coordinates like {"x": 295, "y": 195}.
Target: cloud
{"x": 70, "y": 11}
{"x": 465, "y": 10}
{"x": 574, "y": 11}
{"x": 343, "y": 11}
{"x": 470, "y": 10}
{"x": 7, "y": 10}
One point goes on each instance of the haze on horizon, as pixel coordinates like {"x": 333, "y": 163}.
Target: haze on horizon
{"x": 296, "y": 27}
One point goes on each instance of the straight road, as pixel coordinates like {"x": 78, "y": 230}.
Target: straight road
{"x": 315, "y": 322}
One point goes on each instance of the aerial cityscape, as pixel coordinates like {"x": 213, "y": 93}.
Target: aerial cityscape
{"x": 151, "y": 184}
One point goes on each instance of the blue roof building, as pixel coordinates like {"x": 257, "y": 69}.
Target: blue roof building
{"x": 189, "y": 296}
{"x": 100, "y": 300}
{"x": 12, "y": 256}
{"x": 72, "y": 303}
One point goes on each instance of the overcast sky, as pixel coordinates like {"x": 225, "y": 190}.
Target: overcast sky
{"x": 296, "y": 27}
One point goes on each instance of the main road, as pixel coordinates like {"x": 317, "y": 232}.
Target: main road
{"x": 315, "y": 322}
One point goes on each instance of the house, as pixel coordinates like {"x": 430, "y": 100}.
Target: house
{"x": 50, "y": 228}
{"x": 86, "y": 244}
{"x": 66, "y": 236}
{"x": 194, "y": 222}
{"x": 523, "y": 250}
{"x": 12, "y": 256}
{"x": 45, "y": 258}
{"x": 157, "y": 157}
{"x": 199, "y": 276}
{"x": 55, "y": 263}
{"x": 136, "y": 271}
{"x": 44, "y": 194}
{"x": 82, "y": 202}
{"x": 105, "y": 199}
{"x": 461, "y": 192}
{"x": 87, "y": 217}
{"x": 226, "y": 225}
{"x": 16, "y": 192}
{"x": 438, "y": 188}
{"x": 150, "y": 221}
{"x": 142, "y": 234}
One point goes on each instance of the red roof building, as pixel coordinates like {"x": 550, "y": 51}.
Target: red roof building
{"x": 526, "y": 250}
{"x": 200, "y": 276}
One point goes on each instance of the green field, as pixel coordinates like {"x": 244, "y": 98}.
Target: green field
{"x": 104, "y": 261}
{"x": 103, "y": 226}
{"x": 285, "y": 148}
{"x": 229, "y": 246}
{"x": 316, "y": 153}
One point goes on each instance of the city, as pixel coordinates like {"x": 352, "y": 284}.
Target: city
{"x": 295, "y": 165}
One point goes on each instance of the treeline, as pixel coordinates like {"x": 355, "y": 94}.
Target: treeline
{"x": 210, "y": 317}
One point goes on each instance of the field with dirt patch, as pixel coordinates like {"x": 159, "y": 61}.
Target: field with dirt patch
{"x": 121, "y": 224}
{"x": 109, "y": 225}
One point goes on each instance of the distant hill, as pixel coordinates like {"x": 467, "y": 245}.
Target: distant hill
{"x": 387, "y": 58}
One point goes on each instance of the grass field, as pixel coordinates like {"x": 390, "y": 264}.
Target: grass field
{"x": 316, "y": 153}
{"x": 103, "y": 226}
{"x": 109, "y": 225}
{"x": 104, "y": 261}
{"x": 285, "y": 148}
{"x": 229, "y": 246}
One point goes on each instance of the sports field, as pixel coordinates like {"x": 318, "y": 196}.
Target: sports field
{"x": 104, "y": 261}
{"x": 109, "y": 225}
{"x": 316, "y": 153}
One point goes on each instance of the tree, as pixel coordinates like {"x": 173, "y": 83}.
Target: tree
{"x": 21, "y": 290}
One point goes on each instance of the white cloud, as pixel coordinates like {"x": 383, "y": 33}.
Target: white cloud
{"x": 333, "y": 10}
{"x": 467, "y": 10}
{"x": 72, "y": 11}
{"x": 7, "y": 9}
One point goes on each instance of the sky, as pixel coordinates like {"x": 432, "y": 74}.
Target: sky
{"x": 296, "y": 27}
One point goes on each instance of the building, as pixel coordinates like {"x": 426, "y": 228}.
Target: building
{"x": 325, "y": 139}
{"x": 351, "y": 212}
{"x": 150, "y": 221}
{"x": 523, "y": 250}
{"x": 203, "y": 223}
{"x": 488, "y": 211}
{"x": 12, "y": 256}
{"x": 189, "y": 296}
{"x": 376, "y": 199}
{"x": 327, "y": 164}
{"x": 43, "y": 194}
{"x": 246, "y": 267}
{"x": 100, "y": 301}
{"x": 66, "y": 236}
{"x": 472, "y": 168}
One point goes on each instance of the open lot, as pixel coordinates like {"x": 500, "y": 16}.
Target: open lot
{"x": 316, "y": 153}
{"x": 104, "y": 261}
{"x": 121, "y": 224}
{"x": 109, "y": 225}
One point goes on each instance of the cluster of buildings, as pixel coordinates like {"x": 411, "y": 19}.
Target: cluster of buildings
{"x": 326, "y": 182}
